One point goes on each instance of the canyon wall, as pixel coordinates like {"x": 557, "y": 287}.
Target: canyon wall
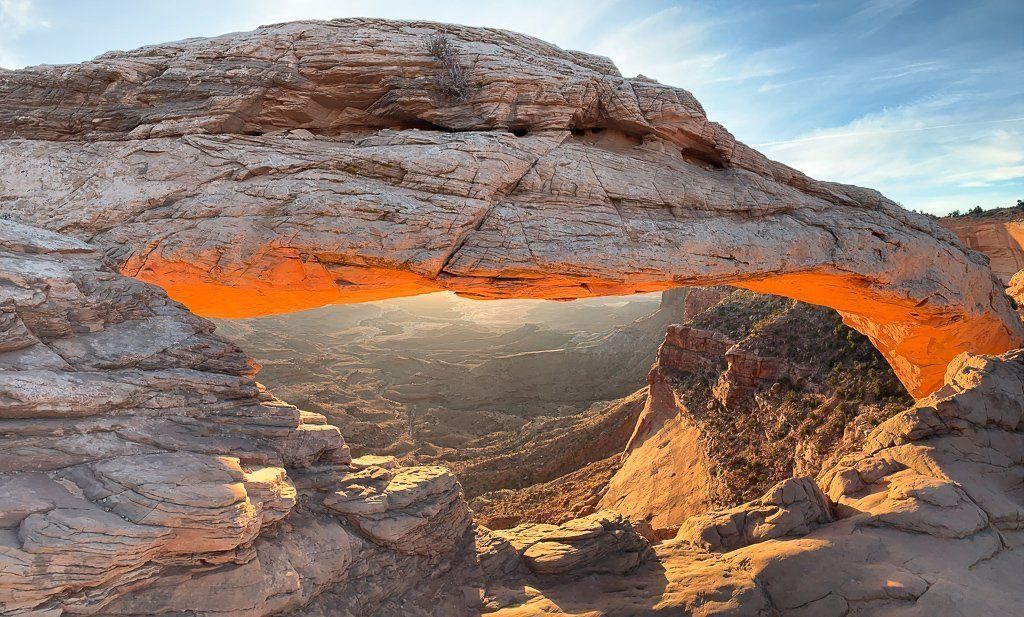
{"x": 747, "y": 391}
{"x": 999, "y": 234}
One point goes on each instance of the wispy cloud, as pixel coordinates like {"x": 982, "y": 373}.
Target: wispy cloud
{"x": 21, "y": 15}
{"x": 833, "y": 134}
{"x": 875, "y": 15}
{"x": 16, "y": 18}
{"x": 919, "y": 154}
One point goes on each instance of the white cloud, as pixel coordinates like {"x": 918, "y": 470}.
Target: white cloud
{"x": 16, "y": 17}
{"x": 925, "y": 154}
{"x": 877, "y": 14}
{"x": 20, "y": 15}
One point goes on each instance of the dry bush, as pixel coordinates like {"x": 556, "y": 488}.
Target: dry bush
{"x": 452, "y": 80}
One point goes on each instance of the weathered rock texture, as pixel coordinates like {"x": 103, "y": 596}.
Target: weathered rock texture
{"x": 145, "y": 472}
{"x": 999, "y": 234}
{"x": 750, "y": 390}
{"x": 143, "y": 468}
{"x": 301, "y": 164}
{"x": 927, "y": 521}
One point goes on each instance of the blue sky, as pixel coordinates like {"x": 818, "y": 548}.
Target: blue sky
{"x": 921, "y": 99}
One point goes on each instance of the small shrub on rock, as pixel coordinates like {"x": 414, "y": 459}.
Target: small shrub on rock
{"x": 452, "y": 81}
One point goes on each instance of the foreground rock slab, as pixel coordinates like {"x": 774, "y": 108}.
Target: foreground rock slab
{"x": 926, "y": 519}
{"x": 144, "y": 471}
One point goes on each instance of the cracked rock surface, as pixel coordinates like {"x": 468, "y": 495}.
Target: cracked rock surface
{"x": 315, "y": 162}
{"x": 145, "y": 472}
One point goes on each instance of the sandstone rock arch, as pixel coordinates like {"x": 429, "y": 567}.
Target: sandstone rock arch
{"x": 320, "y": 162}
{"x": 299, "y": 165}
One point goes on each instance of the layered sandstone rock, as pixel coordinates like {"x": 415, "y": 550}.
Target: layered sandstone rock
{"x": 143, "y": 469}
{"x": 1015, "y": 289}
{"x": 999, "y": 234}
{"x": 145, "y": 472}
{"x": 749, "y": 391}
{"x": 927, "y": 522}
{"x": 792, "y": 507}
{"x": 305, "y": 166}
{"x": 600, "y": 543}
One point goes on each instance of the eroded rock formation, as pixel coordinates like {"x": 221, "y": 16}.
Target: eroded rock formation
{"x": 145, "y": 472}
{"x": 999, "y": 234}
{"x": 303, "y": 167}
{"x": 927, "y": 522}
{"x": 143, "y": 468}
{"x": 748, "y": 391}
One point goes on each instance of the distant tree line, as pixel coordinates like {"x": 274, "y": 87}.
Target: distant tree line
{"x": 975, "y": 211}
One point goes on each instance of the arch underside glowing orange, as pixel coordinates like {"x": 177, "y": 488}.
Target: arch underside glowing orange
{"x": 917, "y": 341}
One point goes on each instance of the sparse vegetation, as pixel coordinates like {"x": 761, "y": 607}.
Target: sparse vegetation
{"x": 979, "y": 211}
{"x": 452, "y": 81}
{"x": 842, "y": 388}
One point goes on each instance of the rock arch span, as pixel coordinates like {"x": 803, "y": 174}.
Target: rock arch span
{"x": 305, "y": 166}
{"x": 144, "y": 471}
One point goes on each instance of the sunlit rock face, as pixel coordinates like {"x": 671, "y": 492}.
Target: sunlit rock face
{"x": 924, "y": 519}
{"x": 999, "y": 235}
{"x": 135, "y": 439}
{"x": 316, "y": 162}
{"x": 145, "y": 472}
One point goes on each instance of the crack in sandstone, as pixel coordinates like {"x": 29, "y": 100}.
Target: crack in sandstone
{"x": 494, "y": 202}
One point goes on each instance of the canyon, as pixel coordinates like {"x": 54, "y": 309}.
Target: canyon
{"x": 146, "y": 471}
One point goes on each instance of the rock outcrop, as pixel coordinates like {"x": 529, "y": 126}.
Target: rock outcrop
{"x": 999, "y": 234}
{"x": 145, "y": 472}
{"x": 792, "y": 507}
{"x": 744, "y": 394}
{"x": 927, "y": 522}
{"x": 601, "y": 543}
{"x": 306, "y": 166}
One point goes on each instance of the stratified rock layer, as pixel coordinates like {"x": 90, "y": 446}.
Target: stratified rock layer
{"x": 143, "y": 469}
{"x": 305, "y": 163}
{"x": 927, "y": 521}
{"x": 999, "y": 234}
{"x": 145, "y": 472}
{"x": 752, "y": 389}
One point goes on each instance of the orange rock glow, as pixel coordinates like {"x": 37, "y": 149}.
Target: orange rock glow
{"x": 917, "y": 341}
{"x": 282, "y": 283}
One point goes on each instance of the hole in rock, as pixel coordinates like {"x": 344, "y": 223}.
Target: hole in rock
{"x": 532, "y": 402}
{"x": 519, "y": 132}
{"x": 702, "y": 158}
